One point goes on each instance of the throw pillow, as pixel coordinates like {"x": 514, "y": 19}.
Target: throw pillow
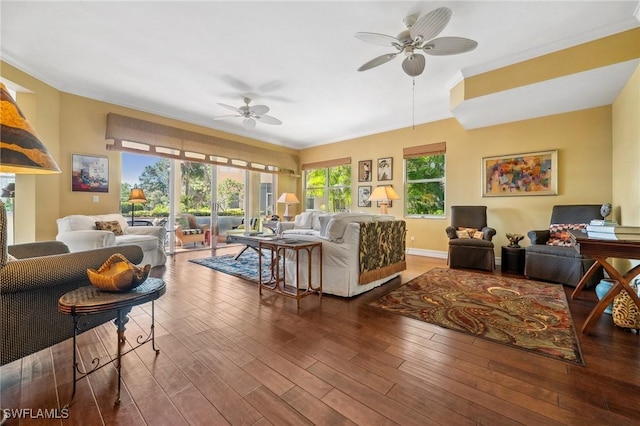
{"x": 559, "y": 234}
{"x": 10, "y": 258}
{"x": 111, "y": 225}
{"x": 470, "y": 232}
{"x": 462, "y": 234}
{"x": 324, "y": 221}
{"x": 479, "y": 235}
{"x": 303, "y": 221}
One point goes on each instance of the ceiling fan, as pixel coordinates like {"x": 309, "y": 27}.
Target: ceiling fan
{"x": 251, "y": 114}
{"x": 419, "y": 35}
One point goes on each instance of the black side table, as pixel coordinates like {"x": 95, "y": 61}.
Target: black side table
{"x": 513, "y": 260}
{"x": 89, "y": 300}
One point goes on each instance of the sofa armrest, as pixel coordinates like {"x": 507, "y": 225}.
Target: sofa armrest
{"x": 157, "y": 231}
{"x": 284, "y": 226}
{"x": 47, "y": 271}
{"x": 37, "y": 249}
{"x": 451, "y": 232}
{"x": 489, "y": 233}
{"x": 539, "y": 236}
{"x": 87, "y": 240}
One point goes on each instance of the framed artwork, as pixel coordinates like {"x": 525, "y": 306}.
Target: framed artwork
{"x": 389, "y": 203}
{"x": 364, "y": 171}
{"x": 89, "y": 173}
{"x": 385, "y": 168}
{"x": 534, "y": 173}
{"x": 364, "y": 192}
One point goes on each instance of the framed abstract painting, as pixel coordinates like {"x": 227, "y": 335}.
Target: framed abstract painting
{"x": 533, "y": 173}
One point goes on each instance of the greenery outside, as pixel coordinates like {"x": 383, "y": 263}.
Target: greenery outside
{"x": 425, "y": 177}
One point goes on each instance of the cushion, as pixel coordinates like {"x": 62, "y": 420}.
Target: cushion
{"x": 323, "y": 220}
{"x": 10, "y": 258}
{"x": 338, "y": 224}
{"x": 112, "y": 225}
{"x": 559, "y": 234}
{"x": 470, "y": 233}
{"x": 303, "y": 221}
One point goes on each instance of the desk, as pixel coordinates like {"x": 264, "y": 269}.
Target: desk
{"x": 600, "y": 250}
{"x": 90, "y": 300}
{"x": 277, "y": 277}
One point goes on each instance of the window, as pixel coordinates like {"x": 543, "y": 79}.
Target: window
{"x": 328, "y": 189}
{"x": 425, "y": 180}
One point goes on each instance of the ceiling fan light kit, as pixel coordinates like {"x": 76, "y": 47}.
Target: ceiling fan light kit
{"x": 251, "y": 114}
{"x": 419, "y": 35}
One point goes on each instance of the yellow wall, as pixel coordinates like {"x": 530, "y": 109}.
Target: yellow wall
{"x": 626, "y": 152}
{"x": 583, "y": 141}
{"x": 626, "y": 158}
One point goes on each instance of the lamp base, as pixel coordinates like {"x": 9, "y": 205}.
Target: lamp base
{"x": 383, "y": 208}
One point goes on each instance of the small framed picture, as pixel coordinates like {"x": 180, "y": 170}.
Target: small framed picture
{"x": 364, "y": 170}
{"x": 89, "y": 173}
{"x": 389, "y": 203}
{"x": 364, "y": 192}
{"x": 385, "y": 168}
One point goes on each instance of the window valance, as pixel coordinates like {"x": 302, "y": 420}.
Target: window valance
{"x": 327, "y": 163}
{"x": 423, "y": 150}
{"x": 144, "y": 137}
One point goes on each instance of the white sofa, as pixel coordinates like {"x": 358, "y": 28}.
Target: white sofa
{"x": 342, "y": 268}
{"x": 79, "y": 233}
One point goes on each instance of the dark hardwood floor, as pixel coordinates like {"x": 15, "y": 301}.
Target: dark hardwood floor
{"x": 229, "y": 356}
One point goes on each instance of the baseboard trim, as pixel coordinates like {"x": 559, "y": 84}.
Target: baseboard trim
{"x": 438, "y": 254}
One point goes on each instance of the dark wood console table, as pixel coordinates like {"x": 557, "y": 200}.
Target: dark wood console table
{"x": 600, "y": 250}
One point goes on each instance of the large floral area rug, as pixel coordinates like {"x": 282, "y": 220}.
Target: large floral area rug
{"x": 246, "y": 266}
{"x": 526, "y": 314}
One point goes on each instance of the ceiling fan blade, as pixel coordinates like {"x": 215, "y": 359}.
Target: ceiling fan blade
{"x": 259, "y": 109}
{"x": 431, "y": 24}
{"x": 379, "y": 39}
{"x": 449, "y": 46}
{"x": 226, "y": 115}
{"x": 249, "y": 123}
{"x": 229, "y": 107}
{"x": 267, "y": 119}
{"x": 378, "y": 61}
{"x": 413, "y": 64}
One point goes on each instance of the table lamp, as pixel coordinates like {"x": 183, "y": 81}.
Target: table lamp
{"x": 288, "y": 198}
{"x": 136, "y": 196}
{"x": 384, "y": 194}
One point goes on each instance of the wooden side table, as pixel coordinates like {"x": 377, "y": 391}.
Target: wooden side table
{"x": 513, "y": 260}
{"x": 276, "y": 277}
{"x": 90, "y": 300}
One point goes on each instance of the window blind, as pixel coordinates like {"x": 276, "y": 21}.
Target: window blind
{"x": 422, "y": 150}
{"x": 327, "y": 163}
{"x": 144, "y": 137}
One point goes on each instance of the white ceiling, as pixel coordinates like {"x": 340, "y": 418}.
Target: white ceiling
{"x": 180, "y": 59}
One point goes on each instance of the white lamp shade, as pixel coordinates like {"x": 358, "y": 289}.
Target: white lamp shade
{"x": 288, "y": 198}
{"x": 384, "y": 194}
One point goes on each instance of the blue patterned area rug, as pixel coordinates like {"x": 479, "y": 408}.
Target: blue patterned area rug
{"x": 246, "y": 266}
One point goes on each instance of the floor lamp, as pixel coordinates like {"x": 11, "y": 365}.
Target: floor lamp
{"x": 136, "y": 196}
{"x": 22, "y": 153}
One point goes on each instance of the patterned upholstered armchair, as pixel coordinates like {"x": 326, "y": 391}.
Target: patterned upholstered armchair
{"x": 31, "y": 285}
